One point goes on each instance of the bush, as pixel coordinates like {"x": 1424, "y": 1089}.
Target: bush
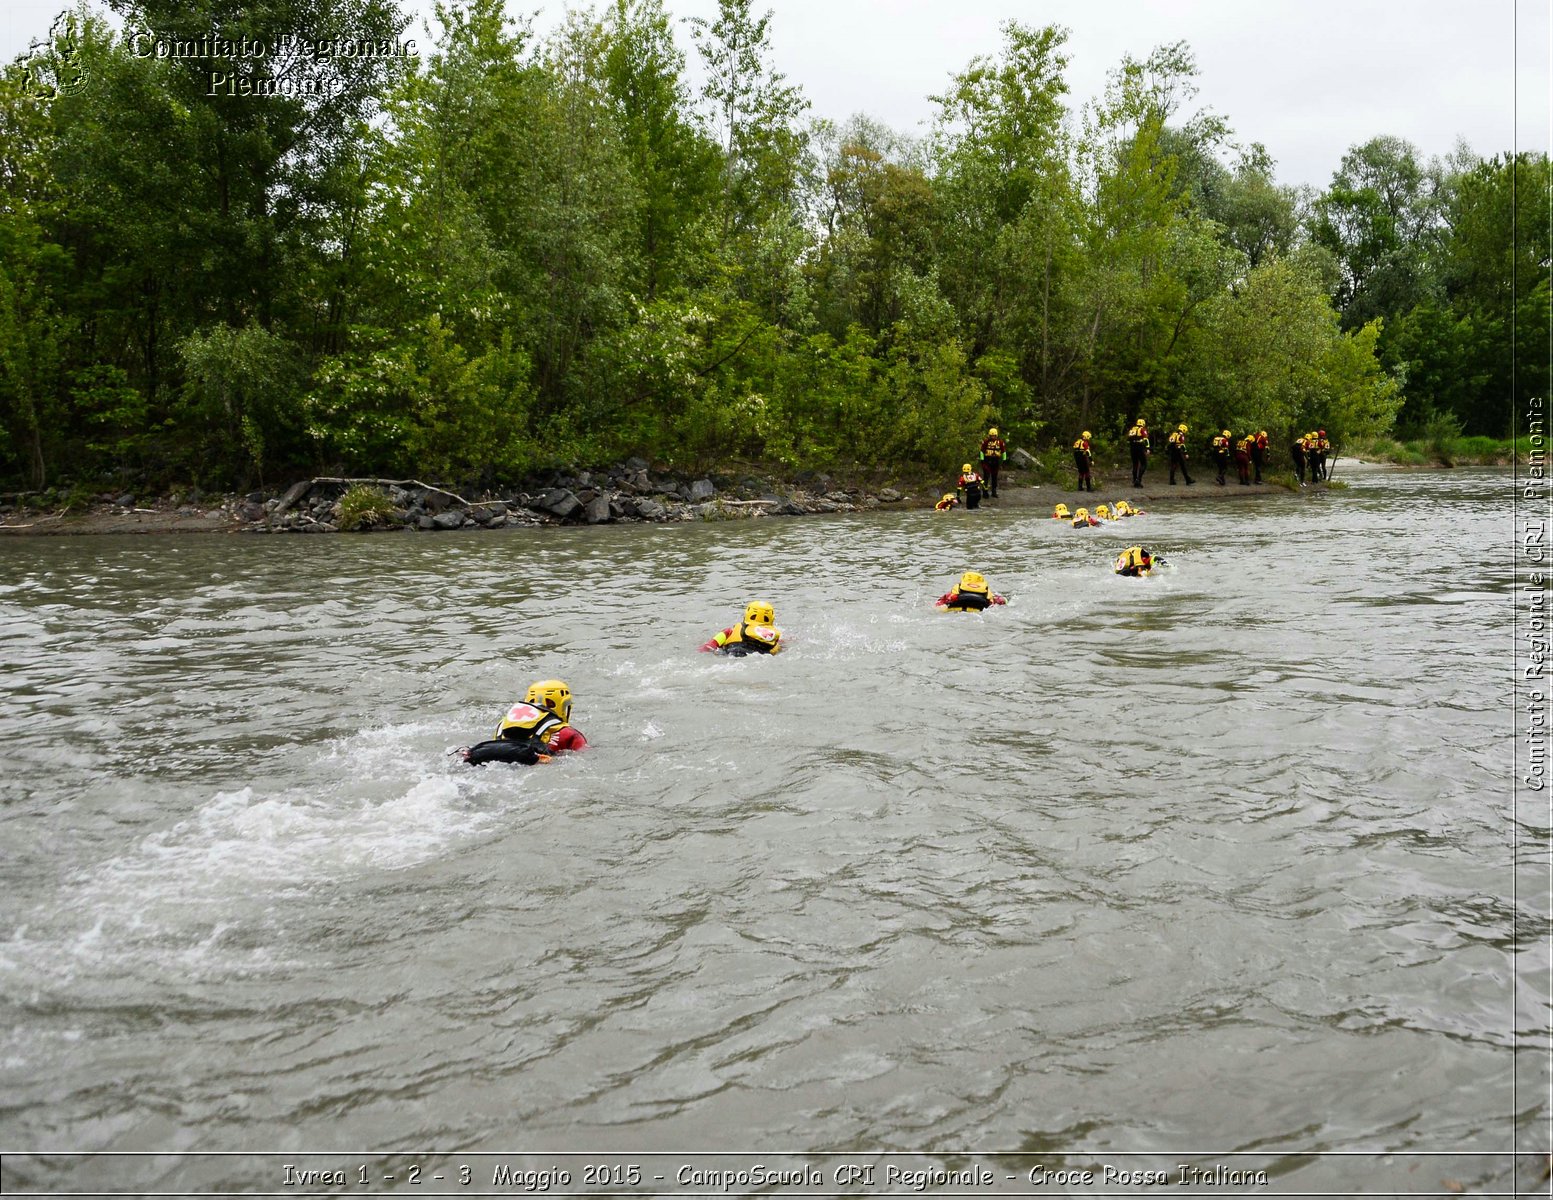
{"x": 363, "y": 508}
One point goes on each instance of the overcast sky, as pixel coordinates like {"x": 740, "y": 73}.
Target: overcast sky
{"x": 1307, "y": 78}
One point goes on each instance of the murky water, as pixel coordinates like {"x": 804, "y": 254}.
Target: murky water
{"x": 1217, "y": 861}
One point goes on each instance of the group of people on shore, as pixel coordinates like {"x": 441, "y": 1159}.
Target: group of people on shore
{"x": 1247, "y": 454}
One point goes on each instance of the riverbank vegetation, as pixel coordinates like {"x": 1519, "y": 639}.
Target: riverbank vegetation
{"x": 503, "y": 254}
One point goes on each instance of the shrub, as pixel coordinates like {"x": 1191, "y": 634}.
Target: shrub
{"x": 363, "y": 508}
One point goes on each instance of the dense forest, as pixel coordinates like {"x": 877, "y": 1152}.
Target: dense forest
{"x": 498, "y": 253}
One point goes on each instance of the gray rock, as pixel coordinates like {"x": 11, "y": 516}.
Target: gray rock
{"x": 424, "y": 522}
{"x": 497, "y": 521}
{"x": 1021, "y": 459}
{"x": 251, "y": 511}
{"x": 889, "y": 496}
{"x": 127, "y": 500}
{"x": 650, "y": 510}
{"x": 636, "y": 464}
{"x": 597, "y": 511}
{"x": 561, "y": 502}
{"x": 452, "y": 519}
{"x": 701, "y": 490}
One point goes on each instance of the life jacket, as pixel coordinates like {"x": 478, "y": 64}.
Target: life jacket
{"x": 971, "y": 480}
{"x": 968, "y": 602}
{"x": 1132, "y": 561}
{"x": 528, "y": 724}
{"x": 1082, "y": 444}
{"x": 993, "y": 448}
{"x": 739, "y": 644}
{"x": 1260, "y": 441}
{"x": 1178, "y": 440}
{"x": 1220, "y": 442}
{"x": 1138, "y": 436}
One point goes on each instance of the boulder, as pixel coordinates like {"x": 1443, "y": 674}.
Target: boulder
{"x": 636, "y": 464}
{"x": 701, "y": 490}
{"x": 650, "y": 510}
{"x": 452, "y": 519}
{"x": 1021, "y": 459}
{"x": 597, "y": 511}
{"x": 561, "y": 502}
{"x": 889, "y": 496}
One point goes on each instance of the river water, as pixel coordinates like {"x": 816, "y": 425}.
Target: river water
{"x": 1217, "y": 862}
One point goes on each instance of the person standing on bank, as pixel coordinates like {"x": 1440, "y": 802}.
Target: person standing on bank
{"x": 1297, "y": 453}
{"x": 993, "y": 450}
{"x": 1176, "y": 448}
{"x": 1259, "y": 453}
{"x": 969, "y": 485}
{"x": 1138, "y": 445}
{"x": 1083, "y": 456}
{"x": 1221, "y": 455}
{"x": 1243, "y": 460}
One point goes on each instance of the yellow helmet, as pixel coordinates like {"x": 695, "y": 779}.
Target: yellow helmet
{"x": 1102, "y": 510}
{"x": 1082, "y": 513}
{"x": 1085, "y": 435}
{"x": 949, "y": 496}
{"x": 551, "y": 694}
{"x": 1140, "y": 421}
{"x": 993, "y": 432}
{"x": 1122, "y": 506}
{"x": 1261, "y": 433}
{"x": 1061, "y": 511}
{"x": 973, "y": 581}
{"x": 758, "y": 612}
{"x": 1226, "y": 433}
{"x": 965, "y": 468}
{"x": 1182, "y": 427}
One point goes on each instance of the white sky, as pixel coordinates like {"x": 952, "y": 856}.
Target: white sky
{"x": 1307, "y": 78}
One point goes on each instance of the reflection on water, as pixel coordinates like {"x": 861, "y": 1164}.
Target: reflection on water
{"x": 1217, "y": 859}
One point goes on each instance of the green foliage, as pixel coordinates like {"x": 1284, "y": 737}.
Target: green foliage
{"x": 364, "y": 507}
{"x": 511, "y": 254}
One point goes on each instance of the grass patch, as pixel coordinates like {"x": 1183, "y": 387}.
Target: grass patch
{"x": 363, "y": 508}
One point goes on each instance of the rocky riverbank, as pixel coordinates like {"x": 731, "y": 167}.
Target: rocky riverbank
{"x": 629, "y": 492}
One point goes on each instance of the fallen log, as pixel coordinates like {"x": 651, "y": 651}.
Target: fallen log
{"x": 298, "y": 490}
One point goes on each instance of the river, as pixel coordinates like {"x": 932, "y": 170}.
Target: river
{"x": 1217, "y": 862}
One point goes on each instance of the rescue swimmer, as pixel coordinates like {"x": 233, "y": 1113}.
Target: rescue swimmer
{"x": 1136, "y": 562}
{"x": 755, "y": 634}
{"x": 534, "y": 730}
{"x": 971, "y": 594}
